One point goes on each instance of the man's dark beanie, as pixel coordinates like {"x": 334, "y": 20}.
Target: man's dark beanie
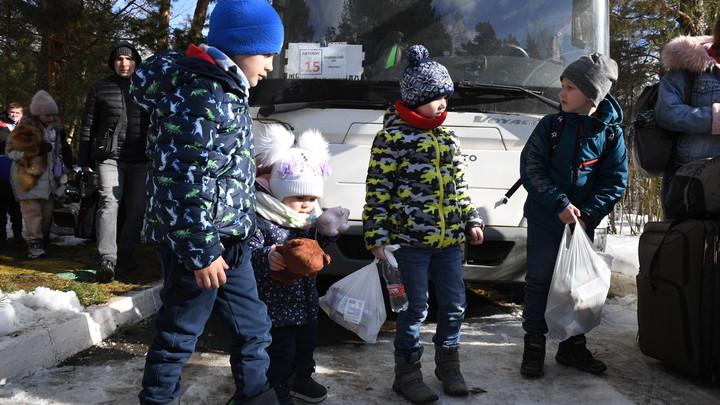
{"x": 123, "y": 48}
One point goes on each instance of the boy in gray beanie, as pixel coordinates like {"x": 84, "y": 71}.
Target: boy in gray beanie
{"x": 201, "y": 209}
{"x": 574, "y": 168}
{"x": 593, "y": 75}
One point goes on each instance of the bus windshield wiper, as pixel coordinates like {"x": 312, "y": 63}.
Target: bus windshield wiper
{"x": 268, "y": 110}
{"x": 506, "y": 91}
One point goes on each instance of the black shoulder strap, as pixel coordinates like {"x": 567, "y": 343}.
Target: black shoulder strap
{"x": 558, "y": 124}
{"x": 689, "y": 84}
{"x": 556, "y": 129}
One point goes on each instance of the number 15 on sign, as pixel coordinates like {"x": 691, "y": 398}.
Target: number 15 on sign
{"x": 311, "y": 61}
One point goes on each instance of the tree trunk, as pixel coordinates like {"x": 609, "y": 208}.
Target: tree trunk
{"x": 163, "y": 43}
{"x": 198, "y": 20}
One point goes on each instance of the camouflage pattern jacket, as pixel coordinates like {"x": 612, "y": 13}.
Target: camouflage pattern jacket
{"x": 200, "y": 145}
{"x": 416, "y": 192}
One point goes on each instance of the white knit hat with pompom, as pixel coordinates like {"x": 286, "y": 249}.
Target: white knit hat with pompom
{"x": 299, "y": 166}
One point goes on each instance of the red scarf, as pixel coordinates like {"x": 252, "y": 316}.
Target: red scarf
{"x": 713, "y": 55}
{"x": 417, "y": 120}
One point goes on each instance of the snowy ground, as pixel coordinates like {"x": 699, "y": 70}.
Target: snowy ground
{"x": 491, "y": 350}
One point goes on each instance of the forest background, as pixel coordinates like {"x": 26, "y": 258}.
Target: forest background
{"x": 62, "y": 46}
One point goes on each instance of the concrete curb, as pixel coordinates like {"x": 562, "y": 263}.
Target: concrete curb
{"x": 45, "y": 347}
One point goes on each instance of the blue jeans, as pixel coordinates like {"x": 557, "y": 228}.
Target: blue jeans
{"x": 292, "y": 347}
{"x": 182, "y": 317}
{"x": 120, "y": 181}
{"x": 542, "y": 250}
{"x": 444, "y": 267}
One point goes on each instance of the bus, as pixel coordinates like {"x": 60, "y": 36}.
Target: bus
{"x": 339, "y": 71}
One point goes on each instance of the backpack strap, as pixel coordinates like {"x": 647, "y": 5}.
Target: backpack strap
{"x": 556, "y": 129}
{"x": 689, "y": 84}
{"x": 558, "y": 124}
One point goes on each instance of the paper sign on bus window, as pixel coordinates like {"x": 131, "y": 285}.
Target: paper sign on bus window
{"x": 306, "y": 60}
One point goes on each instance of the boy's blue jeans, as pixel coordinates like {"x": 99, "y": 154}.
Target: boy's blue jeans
{"x": 444, "y": 267}
{"x": 182, "y": 317}
{"x": 542, "y": 250}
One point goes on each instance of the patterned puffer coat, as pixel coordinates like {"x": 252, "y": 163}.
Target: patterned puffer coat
{"x": 200, "y": 145}
{"x": 416, "y": 192}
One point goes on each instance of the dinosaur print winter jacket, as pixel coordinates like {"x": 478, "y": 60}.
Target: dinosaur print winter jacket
{"x": 202, "y": 170}
{"x": 416, "y": 192}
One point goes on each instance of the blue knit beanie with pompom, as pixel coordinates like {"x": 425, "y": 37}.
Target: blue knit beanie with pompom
{"x": 245, "y": 27}
{"x": 423, "y": 80}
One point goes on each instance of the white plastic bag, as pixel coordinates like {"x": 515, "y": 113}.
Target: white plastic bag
{"x": 579, "y": 286}
{"x": 356, "y": 302}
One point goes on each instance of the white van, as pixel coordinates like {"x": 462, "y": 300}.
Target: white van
{"x": 339, "y": 71}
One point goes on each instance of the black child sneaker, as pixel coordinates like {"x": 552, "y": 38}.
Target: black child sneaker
{"x": 306, "y": 388}
{"x": 574, "y": 353}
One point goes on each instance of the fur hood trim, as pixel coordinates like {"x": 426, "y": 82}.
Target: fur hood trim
{"x": 689, "y": 53}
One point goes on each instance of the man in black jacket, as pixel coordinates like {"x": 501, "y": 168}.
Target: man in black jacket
{"x": 112, "y": 141}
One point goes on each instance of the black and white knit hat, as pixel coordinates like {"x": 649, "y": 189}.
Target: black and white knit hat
{"x": 423, "y": 80}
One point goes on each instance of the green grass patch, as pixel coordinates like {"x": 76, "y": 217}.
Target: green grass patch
{"x": 72, "y": 268}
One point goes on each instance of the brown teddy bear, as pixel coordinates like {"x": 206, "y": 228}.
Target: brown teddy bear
{"x": 303, "y": 258}
{"x": 32, "y": 165}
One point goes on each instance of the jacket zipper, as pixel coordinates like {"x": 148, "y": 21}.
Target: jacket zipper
{"x": 442, "y": 189}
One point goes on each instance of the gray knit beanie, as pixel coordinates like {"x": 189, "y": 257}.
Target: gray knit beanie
{"x": 594, "y": 75}
{"x": 43, "y": 104}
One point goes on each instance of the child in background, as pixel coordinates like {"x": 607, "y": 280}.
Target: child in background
{"x": 287, "y": 208}
{"x": 201, "y": 208}
{"x": 37, "y": 204}
{"x": 8, "y": 204}
{"x": 576, "y": 182}
{"x": 417, "y": 197}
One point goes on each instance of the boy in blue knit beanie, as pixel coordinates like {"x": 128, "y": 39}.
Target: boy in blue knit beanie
{"x": 417, "y": 197}
{"x": 201, "y": 200}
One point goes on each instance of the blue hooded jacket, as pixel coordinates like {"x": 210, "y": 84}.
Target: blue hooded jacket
{"x": 588, "y": 168}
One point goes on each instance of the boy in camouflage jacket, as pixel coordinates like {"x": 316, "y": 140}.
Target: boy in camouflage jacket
{"x": 417, "y": 197}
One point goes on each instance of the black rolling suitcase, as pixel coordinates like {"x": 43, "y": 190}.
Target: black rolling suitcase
{"x": 679, "y": 295}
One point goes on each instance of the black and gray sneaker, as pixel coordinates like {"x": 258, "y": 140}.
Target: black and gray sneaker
{"x": 573, "y": 352}
{"x": 106, "y": 272}
{"x": 35, "y": 249}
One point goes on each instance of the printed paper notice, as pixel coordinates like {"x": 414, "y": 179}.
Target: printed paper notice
{"x": 353, "y": 310}
{"x": 307, "y": 60}
{"x": 311, "y": 62}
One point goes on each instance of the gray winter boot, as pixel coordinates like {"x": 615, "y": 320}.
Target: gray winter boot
{"x": 409, "y": 383}
{"x": 447, "y": 370}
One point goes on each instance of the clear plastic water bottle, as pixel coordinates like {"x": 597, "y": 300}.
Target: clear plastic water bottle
{"x": 395, "y": 287}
